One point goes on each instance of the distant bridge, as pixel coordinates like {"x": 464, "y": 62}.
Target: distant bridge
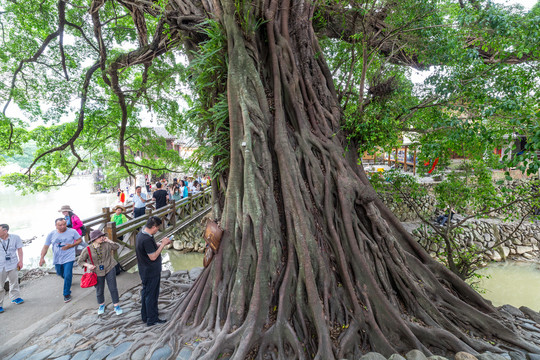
{"x": 176, "y": 216}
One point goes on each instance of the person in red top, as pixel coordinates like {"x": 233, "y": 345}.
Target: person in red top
{"x": 72, "y": 220}
{"x": 122, "y": 197}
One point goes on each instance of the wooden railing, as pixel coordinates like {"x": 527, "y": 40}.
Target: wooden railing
{"x": 402, "y": 159}
{"x": 174, "y": 215}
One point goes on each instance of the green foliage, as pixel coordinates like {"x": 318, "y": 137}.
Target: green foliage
{"x": 469, "y": 192}
{"x": 26, "y": 158}
{"x": 404, "y": 183}
{"x": 52, "y": 104}
{"x": 467, "y": 106}
{"x": 248, "y": 17}
{"x": 208, "y": 116}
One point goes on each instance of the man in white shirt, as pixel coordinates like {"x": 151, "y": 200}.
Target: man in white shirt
{"x": 139, "y": 202}
{"x": 11, "y": 261}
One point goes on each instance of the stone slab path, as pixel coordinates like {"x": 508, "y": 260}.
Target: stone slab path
{"x": 44, "y": 307}
{"x": 44, "y": 327}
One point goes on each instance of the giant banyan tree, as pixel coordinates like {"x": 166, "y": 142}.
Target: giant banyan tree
{"x": 312, "y": 264}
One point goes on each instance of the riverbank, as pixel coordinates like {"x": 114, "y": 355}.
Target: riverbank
{"x": 32, "y": 216}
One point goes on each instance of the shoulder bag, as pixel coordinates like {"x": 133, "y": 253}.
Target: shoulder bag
{"x": 89, "y": 279}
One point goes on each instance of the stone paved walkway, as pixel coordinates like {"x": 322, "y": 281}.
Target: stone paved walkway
{"x": 75, "y": 331}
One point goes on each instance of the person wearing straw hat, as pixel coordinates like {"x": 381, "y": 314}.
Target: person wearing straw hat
{"x": 72, "y": 220}
{"x": 118, "y": 217}
{"x": 98, "y": 257}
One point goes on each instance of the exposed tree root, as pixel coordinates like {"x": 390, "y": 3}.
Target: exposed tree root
{"x": 312, "y": 264}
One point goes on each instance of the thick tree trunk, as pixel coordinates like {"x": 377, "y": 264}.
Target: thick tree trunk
{"x": 312, "y": 264}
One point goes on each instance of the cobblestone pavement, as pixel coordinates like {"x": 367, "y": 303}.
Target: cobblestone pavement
{"x": 86, "y": 335}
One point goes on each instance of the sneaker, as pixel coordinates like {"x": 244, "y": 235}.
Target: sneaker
{"x": 118, "y": 310}
{"x": 67, "y": 298}
{"x": 101, "y": 309}
{"x": 17, "y": 301}
{"x": 1, "y": 309}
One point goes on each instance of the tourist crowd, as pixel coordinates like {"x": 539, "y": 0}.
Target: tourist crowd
{"x": 66, "y": 242}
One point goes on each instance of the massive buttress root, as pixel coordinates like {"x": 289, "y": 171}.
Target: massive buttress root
{"x": 312, "y": 264}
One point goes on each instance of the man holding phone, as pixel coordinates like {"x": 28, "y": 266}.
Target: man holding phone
{"x": 149, "y": 261}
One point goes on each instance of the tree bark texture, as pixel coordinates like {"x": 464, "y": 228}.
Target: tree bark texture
{"x": 312, "y": 264}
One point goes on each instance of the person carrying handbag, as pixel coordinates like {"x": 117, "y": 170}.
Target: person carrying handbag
{"x": 98, "y": 257}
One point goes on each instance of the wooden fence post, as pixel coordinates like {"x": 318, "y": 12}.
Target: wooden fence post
{"x": 173, "y": 213}
{"x": 110, "y": 230}
{"x": 405, "y": 159}
{"x": 106, "y": 214}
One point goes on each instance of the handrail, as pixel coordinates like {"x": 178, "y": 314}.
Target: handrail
{"x": 174, "y": 215}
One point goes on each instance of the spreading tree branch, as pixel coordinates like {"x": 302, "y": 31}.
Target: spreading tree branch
{"x": 88, "y": 41}
{"x": 36, "y": 55}
{"x": 80, "y": 123}
{"x": 340, "y": 25}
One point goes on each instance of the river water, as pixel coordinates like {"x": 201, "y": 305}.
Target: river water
{"x": 514, "y": 283}
{"x": 32, "y": 216}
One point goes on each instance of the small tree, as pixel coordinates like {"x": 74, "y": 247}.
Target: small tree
{"x": 469, "y": 191}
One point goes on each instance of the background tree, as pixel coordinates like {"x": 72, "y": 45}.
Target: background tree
{"x": 312, "y": 264}
{"x": 468, "y": 104}
{"x": 471, "y": 193}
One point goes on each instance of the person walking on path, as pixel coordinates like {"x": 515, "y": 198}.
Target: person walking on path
{"x": 139, "y": 202}
{"x": 63, "y": 242}
{"x": 72, "y": 220}
{"x": 98, "y": 257}
{"x": 149, "y": 262}
{"x": 176, "y": 195}
{"x": 11, "y": 261}
{"x": 122, "y": 197}
{"x": 161, "y": 196}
